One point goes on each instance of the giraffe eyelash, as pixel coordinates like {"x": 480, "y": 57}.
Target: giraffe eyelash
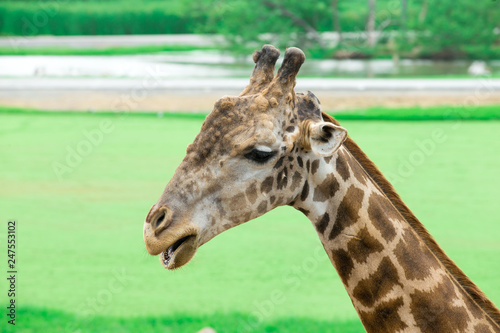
{"x": 260, "y": 156}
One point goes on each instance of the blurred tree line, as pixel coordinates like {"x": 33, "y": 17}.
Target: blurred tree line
{"x": 443, "y": 29}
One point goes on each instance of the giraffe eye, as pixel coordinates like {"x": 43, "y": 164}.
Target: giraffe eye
{"x": 260, "y": 156}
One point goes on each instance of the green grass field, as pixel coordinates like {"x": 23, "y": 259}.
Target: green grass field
{"x": 93, "y": 17}
{"x": 146, "y": 49}
{"x": 83, "y": 266}
{"x": 452, "y": 113}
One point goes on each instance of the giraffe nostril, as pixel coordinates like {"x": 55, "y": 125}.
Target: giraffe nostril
{"x": 159, "y": 219}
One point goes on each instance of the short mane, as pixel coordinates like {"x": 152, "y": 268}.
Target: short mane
{"x": 386, "y": 187}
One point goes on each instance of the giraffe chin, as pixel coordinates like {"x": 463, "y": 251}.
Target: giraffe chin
{"x": 179, "y": 253}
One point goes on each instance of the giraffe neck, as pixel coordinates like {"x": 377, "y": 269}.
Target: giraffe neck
{"x": 394, "y": 279}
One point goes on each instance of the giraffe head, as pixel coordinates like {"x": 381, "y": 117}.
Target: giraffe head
{"x": 252, "y": 154}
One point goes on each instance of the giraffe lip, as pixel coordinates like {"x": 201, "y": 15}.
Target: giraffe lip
{"x": 179, "y": 253}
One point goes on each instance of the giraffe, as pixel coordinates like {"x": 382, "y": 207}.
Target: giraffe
{"x": 269, "y": 147}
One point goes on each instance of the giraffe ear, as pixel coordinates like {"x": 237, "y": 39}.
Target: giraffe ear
{"x": 326, "y": 138}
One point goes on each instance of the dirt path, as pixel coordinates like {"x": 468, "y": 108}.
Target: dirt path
{"x": 204, "y": 101}
{"x": 199, "y": 95}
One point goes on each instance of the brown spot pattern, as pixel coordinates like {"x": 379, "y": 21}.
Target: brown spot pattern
{"x": 378, "y": 284}
{"x": 279, "y": 163}
{"x": 296, "y": 180}
{"x": 247, "y": 216}
{"x": 342, "y": 168}
{"x": 323, "y": 223}
{"x": 380, "y": 211}
{"x": 482, "y": 328}
{"x": 282, "y": 179}
{"x": 357, "y": 170}
{"x": 304, "y": 211}
{"x": 262, "y": 208}
{"x": 327, "y": 159}
{"x": 326, "y": 190}
{"x": 251, "y": 193}
{"x": 348, "y": 211}
{"x": 363, "y": 245}
{"x": 474, "y": 309}
{"x": 343, "y": 263}
{"x": 299, "y": 160}
{"x": 238, "y": 201}
{"x": 384, "y": 318}
{"x": 434, "y": 311}
{"x": 415, "y": 260}
{"x": 305, "y": 191}
{"x": 267, "y": 185}
{"x": 314, "y": 166}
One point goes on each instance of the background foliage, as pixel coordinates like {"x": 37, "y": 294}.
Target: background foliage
{"x": 421, "y": 28}
{"x": 455, "y": 28}
{"x": 113, "y": 17}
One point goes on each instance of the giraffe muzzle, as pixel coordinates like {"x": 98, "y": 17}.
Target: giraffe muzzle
{"x": 179, "y": 253}
{"x": 175, "y": 242}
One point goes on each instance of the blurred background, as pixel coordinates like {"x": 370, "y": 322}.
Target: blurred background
{"x": 99, "y": 99}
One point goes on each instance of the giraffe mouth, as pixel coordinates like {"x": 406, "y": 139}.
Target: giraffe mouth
{"x": 179, "y": 253}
